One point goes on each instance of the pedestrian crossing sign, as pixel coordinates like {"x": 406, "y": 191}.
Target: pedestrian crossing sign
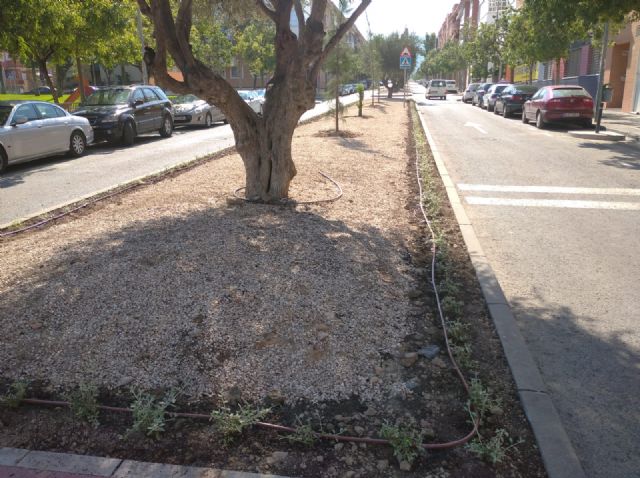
{"x": 405, "y": 62}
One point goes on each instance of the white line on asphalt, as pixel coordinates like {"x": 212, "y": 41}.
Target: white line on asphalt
{"x": 549, "y": 189}
{"x": 476, "y": 126}
{"x": 622, "y": 206}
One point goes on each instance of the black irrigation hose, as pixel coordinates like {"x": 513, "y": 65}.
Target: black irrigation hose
{"x": 329, "y": 436}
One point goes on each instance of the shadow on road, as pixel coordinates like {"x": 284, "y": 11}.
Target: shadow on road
{"x": 593, "y": 381}
{"x": 625, "y": 156}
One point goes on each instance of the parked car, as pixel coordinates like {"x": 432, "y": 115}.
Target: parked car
{"x": 559, "y": 103}
{"x": 191, "y": 110}
{"x": 347, "y": 89}
{"x": 252, "y": 100}
{"x": 512, "y": 98}
{"x": 36, "y": 129}
{"x": 467, "y": 96}
{"x": 451, "y": 86}
{"x": 40, "y": 90}
{"x": 479, "y": 94}
{"x": 436, "y": 89}
{"x": 490, "y": 97}
{"x": 120, "y": 113}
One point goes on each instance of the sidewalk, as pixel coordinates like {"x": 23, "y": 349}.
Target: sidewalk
{"x": 626, "y": 123}
{"x": 19, "y": 463}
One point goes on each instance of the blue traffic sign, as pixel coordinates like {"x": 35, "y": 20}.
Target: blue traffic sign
{"x": 405, "y": 62}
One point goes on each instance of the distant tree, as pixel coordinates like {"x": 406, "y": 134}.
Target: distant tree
{"x": 254, "y": 44}
{"x": 38, "y": 39}
{"x": 389, "y": 49}
{"x": 588, "y": 12}
{"x": 263, "y": 142}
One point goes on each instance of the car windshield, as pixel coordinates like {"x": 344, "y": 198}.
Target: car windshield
{"x": 5, "y": 111}
{"x": 438, "y": 83}
{"x": 500, "y": 88}
{"x": 526, "y": 89}
{"x": 567, "y": 92}
{"x": 182, "y": 99}
{"x": 245, "y": 95}
{"x": 473, "y": 87}
{"x": 108, "y": 97}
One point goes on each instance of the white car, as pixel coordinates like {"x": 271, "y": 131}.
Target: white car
{"x": 451, "y": 86}
{"x": 191, "y": 110}
{"x": 37, "y": 129}
{"x": 252, "y": 100}
{"x": 436, "y": 89}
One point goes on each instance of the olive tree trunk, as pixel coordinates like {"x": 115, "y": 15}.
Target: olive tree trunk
{"x": 263, "y": 141}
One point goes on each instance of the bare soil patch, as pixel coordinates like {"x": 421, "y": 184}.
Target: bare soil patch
{"x": 310, "y": 309}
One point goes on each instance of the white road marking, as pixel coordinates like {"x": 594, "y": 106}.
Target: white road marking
{"x": 549, "y": 189}
{"x": 622, "y": 206}
{"x": 476, "y": 126}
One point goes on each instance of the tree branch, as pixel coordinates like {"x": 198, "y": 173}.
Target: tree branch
{"x": 267, "y": 11}
{"x": 144, "y": 7}
{"x": 300, "y": 15}
{"x": 342, "y": 30}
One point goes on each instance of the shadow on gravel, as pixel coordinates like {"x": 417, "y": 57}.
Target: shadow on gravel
{"x": 593, "y": 382}
{"x": 252, "y": 298}
{"x": 625, "y": 156}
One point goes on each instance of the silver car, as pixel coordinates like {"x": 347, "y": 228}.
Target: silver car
{"x": 191, "y": 110}
{"x": 36, "y": 129}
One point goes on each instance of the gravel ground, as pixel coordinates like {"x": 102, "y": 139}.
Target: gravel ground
{"x": 178, "y": 284}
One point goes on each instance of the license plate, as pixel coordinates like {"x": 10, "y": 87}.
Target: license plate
{"x": 571, "y": 115}
{"x": 180, "y": 117}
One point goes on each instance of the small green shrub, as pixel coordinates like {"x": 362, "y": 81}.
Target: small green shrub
{"x": 495, "y": 449}
{"x": 481, "y": 400}
{"x": 149, "y": 413}
{"x": 84, "y": 403}
{"x": 360, "y": 91}
{"x": 17, "y": 392}
{"x": 458, "y": 332}
{"x": 231, "y": 424}
{"x": 406, "y": 443}
{"x": 304, "y": 435}
{"x": 452, "y": 307}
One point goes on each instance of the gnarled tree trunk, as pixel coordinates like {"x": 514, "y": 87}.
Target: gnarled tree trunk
{"x": 263, "y": 141}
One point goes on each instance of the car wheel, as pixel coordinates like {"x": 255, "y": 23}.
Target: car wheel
{"x": 167, "y": 127}
{"x": 587, "y": 124}
{"x": 77, "y": 144}
{"x": 3, "y": 161}
{"x": 525, "y": 120}
{"x": 208, "y": 121}
{"x": 539, "y": 121}
{"x": 128, "y": 134}
{"x": 505, "y": 114}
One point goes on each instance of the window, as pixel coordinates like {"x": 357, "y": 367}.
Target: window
{"x": 149, "y": 95}
{"x": 26, "y": 111}
{"x": 547, "y": 68}
{"x": 594, "y": 61}
{"x": 137, "y": 96}
{"x": 235, "y": 69}
{"x": 47, "y": 111}
{"x": 573, "y": 64}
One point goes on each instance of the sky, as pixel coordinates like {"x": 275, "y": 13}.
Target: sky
{"x": 419, "y": 16}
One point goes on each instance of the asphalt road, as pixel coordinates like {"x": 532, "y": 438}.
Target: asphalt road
{"x": 31, "y": 188}
{"x": 559, "y": 220}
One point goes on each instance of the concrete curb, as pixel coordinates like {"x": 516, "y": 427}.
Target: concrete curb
{"x": 15, "y": 462}
{"x": 557, "y": 452}
{"x": 602, "y": 136}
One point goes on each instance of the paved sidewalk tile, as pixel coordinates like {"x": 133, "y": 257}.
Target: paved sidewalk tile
{"x": 138, "y": 469}
{"x": 18, "y": 472}
{"x": 89, "y": 465}
{"x": 11, "y": 456}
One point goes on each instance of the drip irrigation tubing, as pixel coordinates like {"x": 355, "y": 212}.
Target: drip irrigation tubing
{"x": 317, "y": 201}
{"x": 329, "y": 436}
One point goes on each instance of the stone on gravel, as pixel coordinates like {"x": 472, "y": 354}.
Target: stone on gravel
{"x": 409, "y": 359}
{"x": 429, "y": 352}
{"x": 438, "y": 362}
{"x": 405, "y": 466}
{"x": 277, "y": 457}
{"x": 382, "y": 465}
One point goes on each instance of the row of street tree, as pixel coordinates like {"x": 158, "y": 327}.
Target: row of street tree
{"x": 540, "y": 31}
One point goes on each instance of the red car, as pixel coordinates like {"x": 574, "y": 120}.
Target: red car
{"x": 559, "y": 103}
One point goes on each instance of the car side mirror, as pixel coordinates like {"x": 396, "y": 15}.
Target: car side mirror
{"x": 19, "y": 120}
